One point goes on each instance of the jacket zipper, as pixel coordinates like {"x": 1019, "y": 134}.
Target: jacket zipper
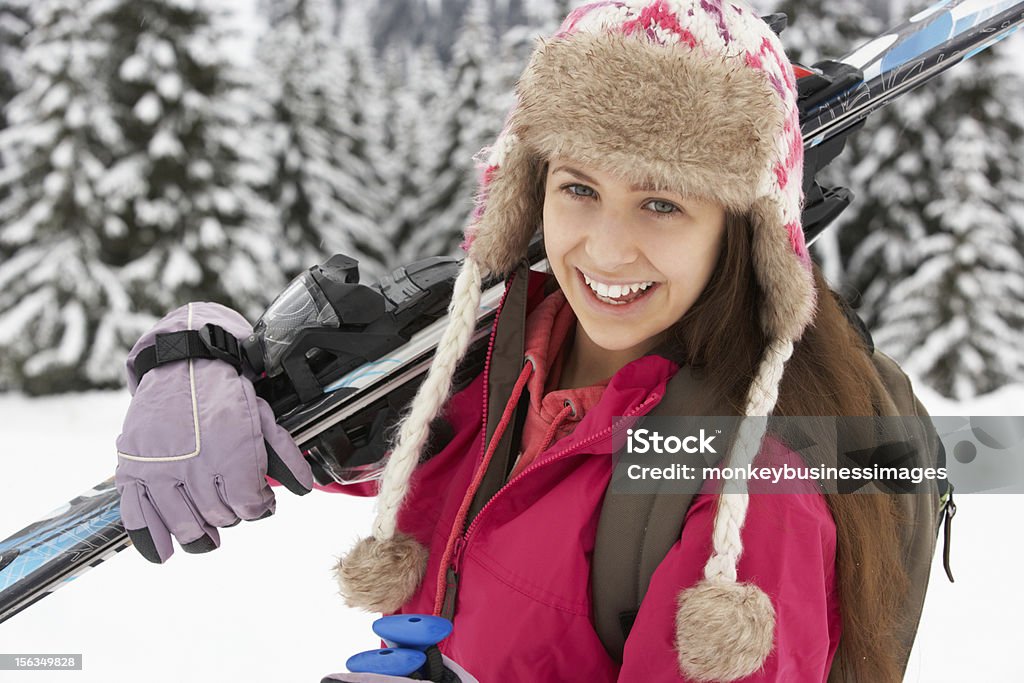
{"x": 451, "y": 584}
{"x": 452, "y": 571}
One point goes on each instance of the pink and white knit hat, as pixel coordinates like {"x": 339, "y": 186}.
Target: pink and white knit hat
{"x": 692, "y": 96}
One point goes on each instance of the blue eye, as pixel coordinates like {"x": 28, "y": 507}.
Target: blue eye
{"x": 571, "y": 190}
{"x": 662, "y": 207}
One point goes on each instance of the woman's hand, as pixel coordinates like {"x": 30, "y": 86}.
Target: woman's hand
{"x": 197, "y": 445}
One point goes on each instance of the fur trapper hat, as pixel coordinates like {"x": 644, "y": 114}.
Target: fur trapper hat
{"x": 692, "y": 96}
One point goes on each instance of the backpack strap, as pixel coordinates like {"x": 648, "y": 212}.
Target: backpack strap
{"x": 504, "y": 367}
{"x": 635, "y": 531}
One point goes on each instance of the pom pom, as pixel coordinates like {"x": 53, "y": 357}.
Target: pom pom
{"x": 724, "y": 630}
{"x": 381, "y": 576}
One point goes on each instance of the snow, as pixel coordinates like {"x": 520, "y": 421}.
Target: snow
{"x": 133, "y": 68}
{"x": 263, "y": 608}
{"x": 55, "y": 99}
{"x": 126, "y": 178}
{"x": 163, "y": 54}
{"x": 148, "y": 108}
{"x": 211, "y": 233}
{"x": 181, "y": 268}
{"x": 14, "y": 319}
{"x": 63, "y": 154}
{"x": 165, "y": 144}
{"x": 169, "y": 86}
{"x": 72, "y": 342}
{"x": 54, "y": 184}
{"x": 249, "y": 27}
{"x": 224, "y": 201}
{"x": 18, "y": 231}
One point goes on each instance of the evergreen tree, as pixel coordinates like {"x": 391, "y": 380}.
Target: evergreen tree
{"x": 65, "y": 319}
{"x": 469, "y": 117}
{"x": 547, "y": 15}
{"x": 13, "y": 28}
{"x": 129, "y": 188}
{"x": 357, "y": 147}
{"x": 957, "y": 314}
{"x": 184, "y": 221}
{"x": 935, "y": 285}
{"x": 417, "y": 86}
{"x": 322, "y": 182}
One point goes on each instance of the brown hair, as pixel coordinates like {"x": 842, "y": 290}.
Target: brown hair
{"x": 830, "y": 373}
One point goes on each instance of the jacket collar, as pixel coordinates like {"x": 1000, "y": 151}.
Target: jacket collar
{"x": 644, "y": 379}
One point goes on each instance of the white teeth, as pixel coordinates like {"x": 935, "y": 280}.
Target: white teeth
{"x": 614, "y": 291}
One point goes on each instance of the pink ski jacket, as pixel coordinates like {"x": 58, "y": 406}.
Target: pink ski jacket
{"x": 515, "y": 573}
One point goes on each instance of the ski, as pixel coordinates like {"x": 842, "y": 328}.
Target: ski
{"x": 337, "y": 405}
{"x": 909, "y": 55}
{"x": 62, "y": 546}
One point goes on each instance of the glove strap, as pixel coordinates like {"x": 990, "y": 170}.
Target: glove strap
{"x": 209, "y": 341}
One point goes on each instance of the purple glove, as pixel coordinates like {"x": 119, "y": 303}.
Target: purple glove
{"x": 197, "y": 444}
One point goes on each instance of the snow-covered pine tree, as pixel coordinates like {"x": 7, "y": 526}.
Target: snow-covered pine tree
{"x": 955, "y": 141}
{"x": 64, "y": 313}
{"x": 415, "y": 81}
{"x": 184, "y": 219}
{"x": 14, "y": 27}
{"x": 322, "y": 185}
{"x": 357, "y": 144}
{"x": 957, "y": 315}
{"x": 466, "y": 119}
{"x": 401, "y": 23}
{"x": 65, "y": 318}
{"x": 547, "y": 15}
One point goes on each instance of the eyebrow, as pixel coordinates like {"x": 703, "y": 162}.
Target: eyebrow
{"x": 644, "y": 187}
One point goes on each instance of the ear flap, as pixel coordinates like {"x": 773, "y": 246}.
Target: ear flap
{"x": 511, "y": 206}
{"x": 783, "y": 271}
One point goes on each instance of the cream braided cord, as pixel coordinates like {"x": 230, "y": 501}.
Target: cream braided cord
{"x": 732, "y": 506}
{"x": 429, "y": 399}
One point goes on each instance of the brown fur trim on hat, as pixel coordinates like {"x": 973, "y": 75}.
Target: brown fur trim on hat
{"x": 787, "y": 285}
{"x": 700, "y": 124}
{"x": 683, "y": 120}
{"x": 513, "y": 209}
{"x": 381, "y": 576}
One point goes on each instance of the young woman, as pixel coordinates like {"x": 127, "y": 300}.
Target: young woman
{"x": 657, "y": 145}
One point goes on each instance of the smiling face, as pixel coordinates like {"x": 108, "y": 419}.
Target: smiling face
{"x": 630, "y": 260}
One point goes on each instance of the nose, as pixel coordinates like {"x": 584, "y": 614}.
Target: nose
{"x": 610, "y": 243}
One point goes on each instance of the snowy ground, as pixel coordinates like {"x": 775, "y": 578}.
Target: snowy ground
{"x": 263, "y": 607}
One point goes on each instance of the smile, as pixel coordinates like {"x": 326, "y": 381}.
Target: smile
{"x": 617, "y": 294}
